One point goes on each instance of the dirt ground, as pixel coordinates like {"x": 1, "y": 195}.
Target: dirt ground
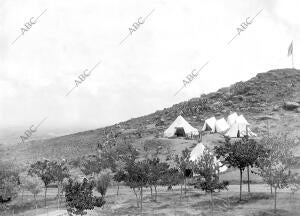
{"x": 258, "y": 203}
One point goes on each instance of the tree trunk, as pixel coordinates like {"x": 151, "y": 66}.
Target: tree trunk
{"x": 58, "y": 196}
{"x": 22, "y": 197}
{"x": 271, "y": 189}
{"x": 212, "y": 203}
{"x": 184, "y": 186}
{"x": 45, "y": 195}
{"x": 180, "y": 191}
{"x": 137, "y": 199}
{"x": 218, "y": 177}
{"x": 275, "y": 197}
{"x": 34, "y": 196}
{"x": 118, "y": 189}
{"x": 241, "y": 181}
{"x": 248, "y": 175}
{"x": 142, "y": 199}
{"x": 155, "y": 193}
{"x": 151, "y": 190}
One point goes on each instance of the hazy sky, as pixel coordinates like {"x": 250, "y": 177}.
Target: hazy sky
{"x": 142, "y": 74}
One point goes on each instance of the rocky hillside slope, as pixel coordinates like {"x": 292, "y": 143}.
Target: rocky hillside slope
{"x": 269, "y": 101}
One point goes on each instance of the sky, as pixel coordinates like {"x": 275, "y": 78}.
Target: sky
{"x": 142, "y": 74}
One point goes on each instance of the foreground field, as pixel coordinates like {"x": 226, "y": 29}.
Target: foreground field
{"x": 259, "y": 202}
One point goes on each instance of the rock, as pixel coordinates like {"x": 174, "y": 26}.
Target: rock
{"x": 266, "y": 117}
{"x": 276, "y": 108}
{"x": 288, "y": 105}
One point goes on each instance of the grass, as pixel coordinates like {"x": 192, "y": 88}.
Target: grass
{"x": 196, "y": 202}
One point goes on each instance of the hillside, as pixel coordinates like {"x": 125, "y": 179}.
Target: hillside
{"x": 261, "y": 100}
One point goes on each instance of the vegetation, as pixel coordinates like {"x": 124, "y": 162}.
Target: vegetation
{"x": 103, "y": 180}
{"x": 275, "y": 167}
{"x": 33, "y": 184}
{"x": 79, "y": 197}
{"x": 183, "y": 163}
{"x": 239, "y": 154}
{"x": 8, "y": 182}
{"x": 207, "y": 176}
{"x": 43, "y": 169}
{"x": 60, "y": 172}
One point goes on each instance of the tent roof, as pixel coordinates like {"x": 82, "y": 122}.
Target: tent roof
{"x": 197, "y": 152}
{"x": 232, "y": 118}
{"x": 241, "y": 120}
{"x": 180, "y": 122}
{"x": 209, "y": 124}
{"x": 221, "y": 125}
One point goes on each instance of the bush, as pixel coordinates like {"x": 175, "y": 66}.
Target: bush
{"x": 99, "y": 201}
{"x": 79, "y": 197}
{"x": 103, "y": 181}
{"x": 239, "y": 88}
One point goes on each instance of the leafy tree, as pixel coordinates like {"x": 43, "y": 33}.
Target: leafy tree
{"x": 157, "y": 170}
{"x": 275, "y": 167}
{"x": 239, "y": 154}
{"x": 60, "y": 172}
{"x": 8, "y": 181}
{"x": 90, "y": 165}
{"x": 137, "y": 178}
{"x": 119, "y": 176}
{"x": 33, "y": 184}
{"x": 183, "y": 163}
{"x": 43, "y": 169}
{"x": 79, "y": 197}
{"x": 171, "y": 178}
{"x": 103, "y": 181}
{"x": 254, "y": 152}
{"x": 207, "y": 178}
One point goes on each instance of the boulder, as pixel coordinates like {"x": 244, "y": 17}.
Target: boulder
{"x": 288, "y": 105}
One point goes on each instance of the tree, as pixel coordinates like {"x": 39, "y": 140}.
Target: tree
{"x": 254, "y": 151}
{"x": 33, "y": 184}
{"x": 43, "y": 169}
{"x": 171, "y": 178}
{"x": 60, "y": 172}
{"x": 275, "y": 167}
{"x": 157, "y": 170}
{"x": 239, "y": 154}
{"x": 90, "y": 165}
{"x": 8, "y": 182}
{"x": 183, "y": 163}
{"x": 207, "y": 178}
{"x": 119, "y": 176}
{"x": 79, "y": 197}
{"x": 137, "y": 178}
{"x": 103, "y": 181}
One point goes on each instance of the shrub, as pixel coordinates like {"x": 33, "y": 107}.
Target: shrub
{"x": 79, "y": 197}
{"x": 103, "y": 181}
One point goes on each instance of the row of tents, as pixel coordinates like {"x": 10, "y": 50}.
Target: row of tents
{"x": 236, "y": 126}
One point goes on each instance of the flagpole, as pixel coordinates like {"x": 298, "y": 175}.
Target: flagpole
{"x": 293, "y": 56}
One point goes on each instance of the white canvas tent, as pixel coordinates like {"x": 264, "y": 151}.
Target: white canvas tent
{"x": 231, "y": 119}
{"x": 240, "y": 128}
{"x": 221, "y": 125}
{"x": 214, "y": 125}
{"x": 197, "y": 153}
{"x": 241, "y": 120}
{"x": 180, "y": 122}
{"x": 209, "y": 124}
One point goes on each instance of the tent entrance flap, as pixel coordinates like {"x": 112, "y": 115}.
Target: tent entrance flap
{"x": 179, "y": 132}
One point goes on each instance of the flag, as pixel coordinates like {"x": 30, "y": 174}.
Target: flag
{"x": 290, "y": 51}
